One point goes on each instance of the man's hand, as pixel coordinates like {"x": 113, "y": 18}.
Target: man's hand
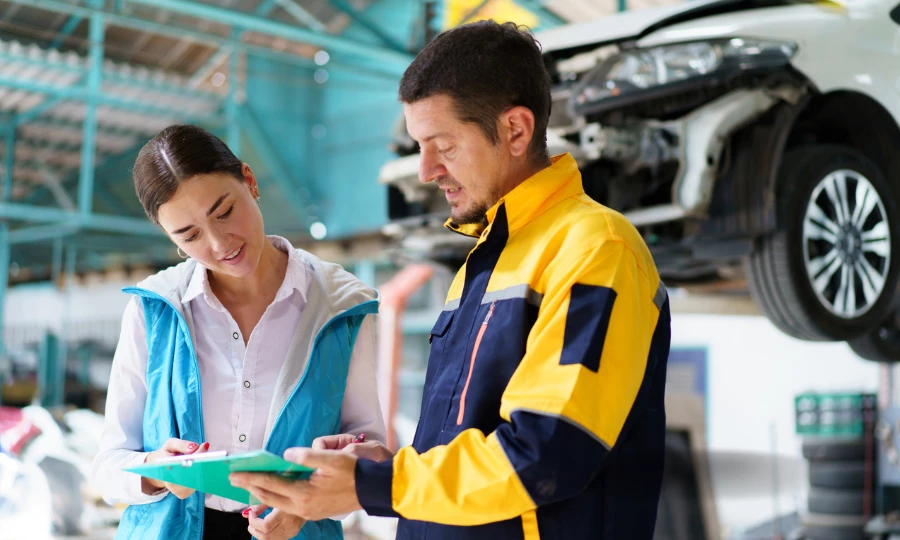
{"x": 278, "y": 525}
{"x": 330, "y": 491}
{"x": 372, "y": 450}
{"x": 172, "y": 447}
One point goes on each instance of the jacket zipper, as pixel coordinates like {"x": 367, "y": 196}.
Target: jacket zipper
{"x": 481, "y": 331}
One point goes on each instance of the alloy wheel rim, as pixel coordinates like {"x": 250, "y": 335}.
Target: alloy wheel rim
{"x": 846, "y": 243}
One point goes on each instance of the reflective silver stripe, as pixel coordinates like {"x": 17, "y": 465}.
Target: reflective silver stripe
{"x": 564, "y": 419}
{"x": 516, "y": 291}
{"x": 661, "y": 295}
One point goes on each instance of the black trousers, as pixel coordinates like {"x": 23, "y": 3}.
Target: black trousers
{"x": 224, "y": 525}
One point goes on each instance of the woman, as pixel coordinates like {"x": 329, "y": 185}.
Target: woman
{"x": 247, "y": 344}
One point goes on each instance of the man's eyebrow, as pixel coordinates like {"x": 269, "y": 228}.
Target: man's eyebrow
{"x": 435, "y": 136}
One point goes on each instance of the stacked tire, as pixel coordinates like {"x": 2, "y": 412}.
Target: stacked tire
{"x": 841, "y": 494}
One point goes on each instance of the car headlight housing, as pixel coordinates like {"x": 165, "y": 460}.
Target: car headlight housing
{"x": 635, "y": 72}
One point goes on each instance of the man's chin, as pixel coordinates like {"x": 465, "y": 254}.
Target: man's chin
{"x": 467, "y": 218}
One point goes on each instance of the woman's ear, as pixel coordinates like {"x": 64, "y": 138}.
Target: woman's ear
{"x": 250, "y": 180}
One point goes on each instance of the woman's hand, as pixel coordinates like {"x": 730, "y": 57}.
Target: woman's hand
{"x": 372, "y": 450}
{"x": 278, "y": 525}
{"x": 172, "y": 447}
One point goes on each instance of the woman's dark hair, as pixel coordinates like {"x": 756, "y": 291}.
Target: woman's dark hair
{"x": 487, "y": 68}
{"x": 178, "y": 153}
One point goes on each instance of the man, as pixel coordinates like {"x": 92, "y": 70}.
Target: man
{"x": 543, "y": 412}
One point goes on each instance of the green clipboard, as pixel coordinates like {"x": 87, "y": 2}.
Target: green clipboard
{"x": 210, "y": 475}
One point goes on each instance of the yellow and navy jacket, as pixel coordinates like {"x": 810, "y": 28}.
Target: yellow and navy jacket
{"x": 542, "y": 415}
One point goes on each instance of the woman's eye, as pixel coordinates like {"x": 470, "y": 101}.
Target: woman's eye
{"x": 191, "y": 239}
{"x": 227, "y": 213}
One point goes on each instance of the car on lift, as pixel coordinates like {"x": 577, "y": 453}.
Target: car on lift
{"x": 743, "y": 138}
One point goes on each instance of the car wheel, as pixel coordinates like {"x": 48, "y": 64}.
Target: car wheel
{"x": 834, "y": 449}
{"x": 829, "y": 271}
{"x": 845, "y": 502}
{"x": 881, "y": 344}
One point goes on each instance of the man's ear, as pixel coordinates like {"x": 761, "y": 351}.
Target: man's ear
{"x": 518, "y": 128}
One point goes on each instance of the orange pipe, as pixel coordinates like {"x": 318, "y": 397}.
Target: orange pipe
{"x": 394, "y": 296}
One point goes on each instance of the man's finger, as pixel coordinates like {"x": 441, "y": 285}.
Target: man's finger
{"x": 269, "y": 482}
{"x": 267, "y": 497}
{"x": 314, "y": 459}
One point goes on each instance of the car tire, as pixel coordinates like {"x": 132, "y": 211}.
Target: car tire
{"x": 801, "y": 275}
{"x": 881, "y": 344}
{"x": 837, "y": 474}
{"x": 834, "y": 449}
{"x": 844, "y": 502}
{"x": 829, "y": 527}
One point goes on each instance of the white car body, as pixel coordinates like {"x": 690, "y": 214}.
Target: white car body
{"x": 697, "y": 159}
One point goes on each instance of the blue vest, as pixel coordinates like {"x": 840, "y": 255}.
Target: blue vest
{"x": 174, "y": 410}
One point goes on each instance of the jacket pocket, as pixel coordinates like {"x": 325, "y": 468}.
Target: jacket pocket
{"x": 441, "y": 325}
{"x": 481, "y": 331}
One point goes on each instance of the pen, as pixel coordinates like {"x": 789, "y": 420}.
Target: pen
{"x": 360, "y": 438}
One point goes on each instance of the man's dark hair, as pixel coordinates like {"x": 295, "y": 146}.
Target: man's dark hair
{"x": 486, "y": 68}
{"x": 177, "y": 154}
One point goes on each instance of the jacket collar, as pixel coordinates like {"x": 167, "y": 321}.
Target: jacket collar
{"x": 560, "y": 181}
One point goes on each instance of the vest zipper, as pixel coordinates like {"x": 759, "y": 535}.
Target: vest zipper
{"x": 481, "y": 331}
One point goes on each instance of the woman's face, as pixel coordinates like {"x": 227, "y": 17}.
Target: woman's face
{"x": 214, "y": 218}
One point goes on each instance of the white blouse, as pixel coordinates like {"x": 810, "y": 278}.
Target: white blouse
{"x": 230, "y": 374}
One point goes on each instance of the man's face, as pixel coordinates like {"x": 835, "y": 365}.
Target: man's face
{"x": 458, "y": 157}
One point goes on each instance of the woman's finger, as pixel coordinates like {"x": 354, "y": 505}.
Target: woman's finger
{"x": 177, "y": 446}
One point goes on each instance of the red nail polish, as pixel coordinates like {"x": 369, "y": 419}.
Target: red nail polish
{"x": 246, "y": 513}
{"x": 192, "y": 446}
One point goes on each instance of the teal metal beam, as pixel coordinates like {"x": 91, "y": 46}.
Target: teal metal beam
{"x": 66, "y": 31}
{"x": 80, "y": 93}
{"x": 84, "y": 364}
{"x": 265, "y": 7}
{"x": 56, "y": 269}
{"x": 232, "y": 107}
{"x": 370, "y": 25}
{"x": 202, "y": 72}
{"x": 178, "y": 32}
{"x": 89, "y": 138}
{"x": 281, "y": 174}
{"x": 247, "y": 21}
{"x": 4, "y": 285}
{"x": 99, "y": 222}
{"x": 10, "y": 159}
{"x": 118, "y": 78}
{"x": 35, "y": 112}
{"x": 296, "y": 11}
{"x": 40, "y": 233}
